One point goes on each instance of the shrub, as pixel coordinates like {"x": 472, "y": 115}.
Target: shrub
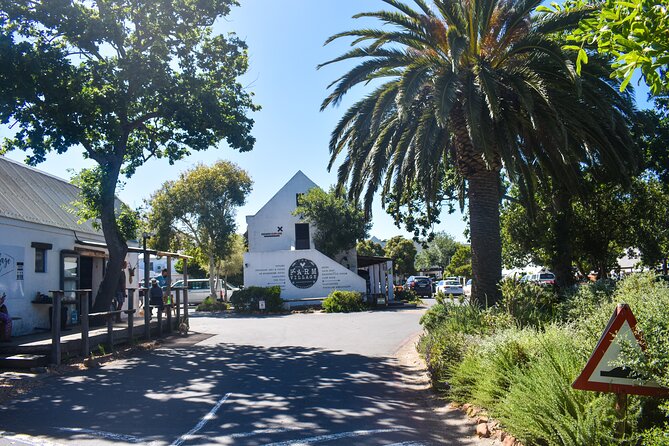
{"x": 343, "y": 302}
{"x": 247, "y": 300}
{"x": 210, "y": 304}
{"x": 531, "y": 305}
{"x": 406, "y": 295}
{"x": 542, "y": 408}
{"x": 441, "y": 349}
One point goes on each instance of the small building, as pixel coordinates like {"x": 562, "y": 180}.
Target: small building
{"x": 43, "y": 246}
{"x": 281, "y": 252}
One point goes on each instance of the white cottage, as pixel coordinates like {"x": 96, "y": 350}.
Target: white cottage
{"x": 43, "y": 247}
{"x": 281, "y": 250}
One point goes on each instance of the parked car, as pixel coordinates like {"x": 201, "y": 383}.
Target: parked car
{"x": 198, "y": 290}
{"x": 542, "y": 278}
{"x": 450, "y": 287}
{"x": 421, "y": 285}
{"x": 467, "y": 288}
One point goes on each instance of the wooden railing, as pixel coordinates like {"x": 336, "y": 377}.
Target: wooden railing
{"x": 84, "y": 296}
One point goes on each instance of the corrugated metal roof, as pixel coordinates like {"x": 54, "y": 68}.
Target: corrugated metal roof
{"x": 28, "y": 194}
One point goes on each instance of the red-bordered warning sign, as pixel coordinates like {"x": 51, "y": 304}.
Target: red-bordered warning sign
{"x": 602, "y": 374}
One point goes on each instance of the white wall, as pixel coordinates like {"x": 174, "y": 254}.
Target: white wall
{"x": 272, "y": 268}
{"x": 16, "y": 238}
{"x": 273, "y": 226}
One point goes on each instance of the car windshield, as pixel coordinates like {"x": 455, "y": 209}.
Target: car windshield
{"x": 547, "y": 276}
{"x": 452, "y": 283}
{"x": 422, "y": 280}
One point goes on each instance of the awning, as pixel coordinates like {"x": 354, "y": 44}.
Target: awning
{"x": 365, "y": 261}
{"x": 134, "y": 249}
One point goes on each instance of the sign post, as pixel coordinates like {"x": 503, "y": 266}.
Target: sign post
{"x": 602, "y": 372}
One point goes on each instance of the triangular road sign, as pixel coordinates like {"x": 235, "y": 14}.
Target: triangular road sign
{"x": 601, "y": 375}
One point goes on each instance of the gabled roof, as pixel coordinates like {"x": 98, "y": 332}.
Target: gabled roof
{"x": 298, "y": 181}
{"x": 28, "y": 194}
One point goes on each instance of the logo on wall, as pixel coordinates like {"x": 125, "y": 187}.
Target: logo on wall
{"x": 303, "y": 273}
{"x": 7, "y": 264}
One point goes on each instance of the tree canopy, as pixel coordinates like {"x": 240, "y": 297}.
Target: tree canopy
{"x": 199, "y": 210}
{"x": 369, "y": 248}
{"x": 403, "y": 253}
{"x": 461, "y": 263}
{"x": 438, "y": 253}
{"x": 124, "y": 81}
{"x": 633, "y": 32}
{"x": 339, "y": 223}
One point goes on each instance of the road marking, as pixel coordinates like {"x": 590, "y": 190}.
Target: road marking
{"x": 260, "y": 432}
{"x": 179, "y": 441}
{"x": 407, "y": 443}
{"x": 26, "y": 439}
{"x": 103, "y": 434}
{"x": 331, "y": 437}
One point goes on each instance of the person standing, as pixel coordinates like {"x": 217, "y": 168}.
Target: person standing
{"x": 119, "y": 297}
{"x": 5, "y": 321}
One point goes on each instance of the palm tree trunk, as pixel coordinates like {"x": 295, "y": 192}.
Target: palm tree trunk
{"x": 484, "y": 198}
{"x": 562, "y": 260}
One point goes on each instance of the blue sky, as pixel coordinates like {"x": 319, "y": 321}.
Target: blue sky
{"x": 285, "y": 40}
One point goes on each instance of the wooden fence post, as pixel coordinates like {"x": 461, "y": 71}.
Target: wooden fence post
{"x": 85, "y": 342}
{"x": 55, "y": 327}
{"x": 131, "y": 315}
{"x": 147, "y": 315}
{"x": 110, "y": 332}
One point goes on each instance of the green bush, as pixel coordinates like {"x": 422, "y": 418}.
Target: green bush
{"x": 406, "y": 295}
{"x": 657, "y": 436}
{"x": 531, "y": 305}
{"x": 343, "y": 302}
{"x": 210, "y": 304}
{"x": 247, "y": 300}
{"x": 441, "y": 349}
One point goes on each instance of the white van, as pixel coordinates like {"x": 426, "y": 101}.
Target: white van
{"x": 198, "y": 290}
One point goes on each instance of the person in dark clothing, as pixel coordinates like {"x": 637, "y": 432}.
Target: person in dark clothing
{"x": 119, "y": 296}
{"x": 155, "y": 296}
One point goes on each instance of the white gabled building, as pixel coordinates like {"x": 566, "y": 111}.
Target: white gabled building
{"x": 281, "y": 250}
{"x": 43, "y": 247}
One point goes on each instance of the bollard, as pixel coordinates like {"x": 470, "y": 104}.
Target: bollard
{"x": 85, "y": 342}
{"x": 55, "y": 327}
{"x": 131, "y": 315}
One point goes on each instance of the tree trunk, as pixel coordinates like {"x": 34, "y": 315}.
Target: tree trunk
{"x": 484, "y": 198}
{"x": 116, "y": 244}
{"x": 562, "y": 249}
{"x": 212, "y": 276}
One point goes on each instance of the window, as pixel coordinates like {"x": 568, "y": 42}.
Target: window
{"x": 40, "y": 260}
{"x": 298, "y": 198}
{"x": 302, "y": 236}
{"x": 40, "y": 255}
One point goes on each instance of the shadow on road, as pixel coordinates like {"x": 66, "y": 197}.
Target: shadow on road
{"x": 273, "y": 395}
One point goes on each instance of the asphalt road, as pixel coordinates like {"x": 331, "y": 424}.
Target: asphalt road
{"x": 299, "y": 379}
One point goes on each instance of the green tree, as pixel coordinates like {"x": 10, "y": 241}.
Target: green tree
{"x": 634, "y": 32}
{"x": 124, "y": 80}
{"x": 403, "y": 253}
{"x": 369, "y": 248}
{"x": 649, "y": 214}
{"x": 476, "y": 85}
{"x": 438, "y": 253}
{"x": 461, "y": 263}
{"x": 199, "y": 210}
{"x": 232, "y": 265}
{"x": 339, "y": 223}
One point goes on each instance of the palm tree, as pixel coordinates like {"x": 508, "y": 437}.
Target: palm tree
{"x": 481, "y": 86}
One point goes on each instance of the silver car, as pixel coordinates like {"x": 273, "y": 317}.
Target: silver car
{"x": 198, "y": 290}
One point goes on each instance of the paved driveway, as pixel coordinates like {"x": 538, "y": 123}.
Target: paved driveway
{"x": 285, "y": 380}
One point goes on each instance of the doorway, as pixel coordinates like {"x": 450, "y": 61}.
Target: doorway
{"x": 302, "y": 236}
